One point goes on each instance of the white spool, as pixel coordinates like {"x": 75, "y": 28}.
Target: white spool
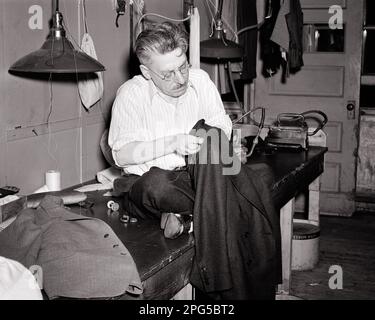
{"x": 53, "y": 180}
{"x": 114, "y": 206}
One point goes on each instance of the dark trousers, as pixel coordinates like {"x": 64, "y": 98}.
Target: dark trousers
{"x": 159, "y": 191}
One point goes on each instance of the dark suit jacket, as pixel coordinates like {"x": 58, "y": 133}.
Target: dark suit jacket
{"x": 236, "y": 232}
{"x": 80, "y": 257}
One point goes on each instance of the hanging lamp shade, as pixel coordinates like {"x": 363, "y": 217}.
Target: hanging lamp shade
{"x": 57, "y": 55}
{"x": 218, "y": 47}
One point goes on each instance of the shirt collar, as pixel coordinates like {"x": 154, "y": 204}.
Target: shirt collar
{"x": 153, "y": 90}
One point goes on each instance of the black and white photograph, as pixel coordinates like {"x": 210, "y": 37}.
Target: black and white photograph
{"x": 187, "y": 157}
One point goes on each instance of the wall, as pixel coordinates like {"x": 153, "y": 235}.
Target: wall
{"x": 31, "y": 140}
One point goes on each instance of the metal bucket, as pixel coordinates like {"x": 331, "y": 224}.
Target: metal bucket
{"x": 305, "y": 244}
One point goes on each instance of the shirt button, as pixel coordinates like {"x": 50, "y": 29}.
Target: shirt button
{"x": 106, "y": 235}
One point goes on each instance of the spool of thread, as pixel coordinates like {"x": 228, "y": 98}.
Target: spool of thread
{"x": 53, "y": 180}
{"x": 114, "y": 206}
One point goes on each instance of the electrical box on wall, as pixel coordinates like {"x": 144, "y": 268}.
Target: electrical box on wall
{"x": 119, "y": 6}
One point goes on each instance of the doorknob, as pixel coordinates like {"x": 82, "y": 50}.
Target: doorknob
{"x": 350, "y": 107}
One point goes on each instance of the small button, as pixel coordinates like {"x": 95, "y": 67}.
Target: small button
{"x": 106, "y": 235}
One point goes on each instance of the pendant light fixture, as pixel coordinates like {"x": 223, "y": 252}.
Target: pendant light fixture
{"x": 217, "y": 47}
{"x": 57, "y": 54}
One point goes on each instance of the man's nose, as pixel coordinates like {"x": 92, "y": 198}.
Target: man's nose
{"x": 179, "y": 77}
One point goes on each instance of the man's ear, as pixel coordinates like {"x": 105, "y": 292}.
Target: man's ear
{"x": 145, "y": 71}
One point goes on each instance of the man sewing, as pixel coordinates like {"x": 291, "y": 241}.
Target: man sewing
{"x": 156, "y": 137}
{"x": 151, "y": 120}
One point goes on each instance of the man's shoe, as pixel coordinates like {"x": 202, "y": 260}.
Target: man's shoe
{"x": 174, "y": 225}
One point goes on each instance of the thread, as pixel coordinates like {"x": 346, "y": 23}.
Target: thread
{"x": 114, "y": 206}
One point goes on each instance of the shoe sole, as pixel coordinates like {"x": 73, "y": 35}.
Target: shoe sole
{"x": 163, "y": 220}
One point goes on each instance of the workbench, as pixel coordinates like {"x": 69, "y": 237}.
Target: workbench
{"x": 164, "y": 265}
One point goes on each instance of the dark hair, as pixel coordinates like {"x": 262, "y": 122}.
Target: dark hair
{"x": 161, "y": 38}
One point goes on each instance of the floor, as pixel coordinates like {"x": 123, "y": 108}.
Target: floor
{"x": 350, "y": 244}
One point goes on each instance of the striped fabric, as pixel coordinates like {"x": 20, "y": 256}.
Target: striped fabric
{"x": 142, "y": 113}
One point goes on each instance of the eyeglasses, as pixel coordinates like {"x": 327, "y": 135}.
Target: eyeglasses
{"x": 170, "y": 75}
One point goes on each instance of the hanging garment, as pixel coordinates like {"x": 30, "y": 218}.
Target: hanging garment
{"x": 247, "y": 16}
{"x": 270, "y": 51}
{"x": 81, "y": 257}
{"x": 295, "y": 26}
{"x": 288, "y": 33}
{"x": 236, "y": 232}
{"x": 90, "y": 85}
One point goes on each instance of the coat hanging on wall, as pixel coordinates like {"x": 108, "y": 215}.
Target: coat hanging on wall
{"x": 281, "y": 38}
{"x": 247, "y": 16}
{"x": 270, "y": 51}
{"x": 288, "y": 33}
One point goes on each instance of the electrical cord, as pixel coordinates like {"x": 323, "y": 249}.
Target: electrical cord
{"x": 246, "y": 114}
{"x": 161, "y": 16}
{"x": 260, "y": 127}
{"x": 256, "y": 139}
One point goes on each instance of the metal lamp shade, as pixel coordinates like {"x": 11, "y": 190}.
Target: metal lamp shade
{"x": 57, "y": 56}
{"x": 220, "y": 49}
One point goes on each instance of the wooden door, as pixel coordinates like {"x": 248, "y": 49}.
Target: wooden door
{"x": 329, "y": 81}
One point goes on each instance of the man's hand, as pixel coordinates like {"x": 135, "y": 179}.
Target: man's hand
{"x": 241, "y": 153}
{"x": 186, "y": 144}
{"x": 239, "y": 149}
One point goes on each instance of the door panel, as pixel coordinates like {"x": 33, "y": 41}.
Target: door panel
{"x": 328, "y": 81}
{"x": 309, "y": 82}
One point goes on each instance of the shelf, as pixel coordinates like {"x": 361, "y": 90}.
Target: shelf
{"x": 370, "y": 112}
{"x": 368, "y": 80}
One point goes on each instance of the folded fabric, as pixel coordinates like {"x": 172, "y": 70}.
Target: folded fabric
{"x": 81, "y": 257}
{"x": 8, "y": 199}
{"x": 68, "y": 197}
{"x": 95, "y": 187}
{"x": 90, "y": 85}
{"x": 108, "y": 175}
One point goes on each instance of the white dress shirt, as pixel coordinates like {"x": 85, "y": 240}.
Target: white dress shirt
{"x": 141, "y": 112}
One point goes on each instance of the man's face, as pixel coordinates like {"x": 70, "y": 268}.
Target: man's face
{"x": 169, "y": 72}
